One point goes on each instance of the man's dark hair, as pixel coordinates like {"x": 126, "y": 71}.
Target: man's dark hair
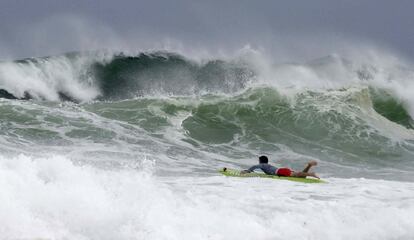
{"x": 263, "y": 159}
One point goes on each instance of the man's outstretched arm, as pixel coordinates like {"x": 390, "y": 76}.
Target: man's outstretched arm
{"x": 251, "y": 169}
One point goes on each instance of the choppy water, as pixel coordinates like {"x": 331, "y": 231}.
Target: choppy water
{"x": 117, "y": 146}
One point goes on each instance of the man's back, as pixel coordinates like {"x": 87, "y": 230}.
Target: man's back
{"x": 265, "y": 167}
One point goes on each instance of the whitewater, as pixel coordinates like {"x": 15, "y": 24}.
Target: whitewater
{"x": 116, "y": 145}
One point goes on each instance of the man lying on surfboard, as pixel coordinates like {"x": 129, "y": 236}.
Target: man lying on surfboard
{"x": 282, "y": 172}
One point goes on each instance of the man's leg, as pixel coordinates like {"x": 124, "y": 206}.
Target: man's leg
{"x": 305, "y": 172}
{"x": 310, "y": 164}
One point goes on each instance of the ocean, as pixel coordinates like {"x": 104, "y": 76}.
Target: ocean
{"x": 115, "y": 145}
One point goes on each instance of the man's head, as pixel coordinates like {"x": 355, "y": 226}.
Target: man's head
{"x": 263, "y": 159}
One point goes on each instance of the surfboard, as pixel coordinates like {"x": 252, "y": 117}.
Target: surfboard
{"x": 237, "y": 173}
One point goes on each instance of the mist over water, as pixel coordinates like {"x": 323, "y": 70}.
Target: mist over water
{"x": 118, "y": 145}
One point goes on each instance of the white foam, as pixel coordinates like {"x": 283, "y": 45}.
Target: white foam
{"x": 46, "y": 77}
{"x": 382, "y": 69}
{"x": 51, "y": 198}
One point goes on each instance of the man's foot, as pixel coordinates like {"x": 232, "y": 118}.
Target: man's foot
{"x": 312, "y": 174}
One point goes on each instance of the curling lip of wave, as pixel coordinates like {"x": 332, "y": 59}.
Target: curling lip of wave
{"x": 93, "y": 76}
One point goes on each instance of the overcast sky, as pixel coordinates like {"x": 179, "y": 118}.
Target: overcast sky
{"x": 43, "y": 27}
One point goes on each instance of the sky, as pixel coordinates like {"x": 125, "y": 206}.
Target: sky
{"x": 305, "y": 28}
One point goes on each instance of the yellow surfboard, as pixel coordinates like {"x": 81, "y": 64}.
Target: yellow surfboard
{"x": 237, "y": 173}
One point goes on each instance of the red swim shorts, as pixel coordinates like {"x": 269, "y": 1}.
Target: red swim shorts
{"x": 283, "y": 172}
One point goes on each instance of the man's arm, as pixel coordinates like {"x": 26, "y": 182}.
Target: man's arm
{"x": 251, "y": 169}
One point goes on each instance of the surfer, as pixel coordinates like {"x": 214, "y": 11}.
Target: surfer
{"x": 282, "y": 172}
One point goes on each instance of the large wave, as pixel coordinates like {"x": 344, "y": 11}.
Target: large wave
{"x": 87, "y": 76}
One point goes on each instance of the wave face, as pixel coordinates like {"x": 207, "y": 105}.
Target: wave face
{"x": 127, "y": 77}
{"x": 113, "y": 146}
